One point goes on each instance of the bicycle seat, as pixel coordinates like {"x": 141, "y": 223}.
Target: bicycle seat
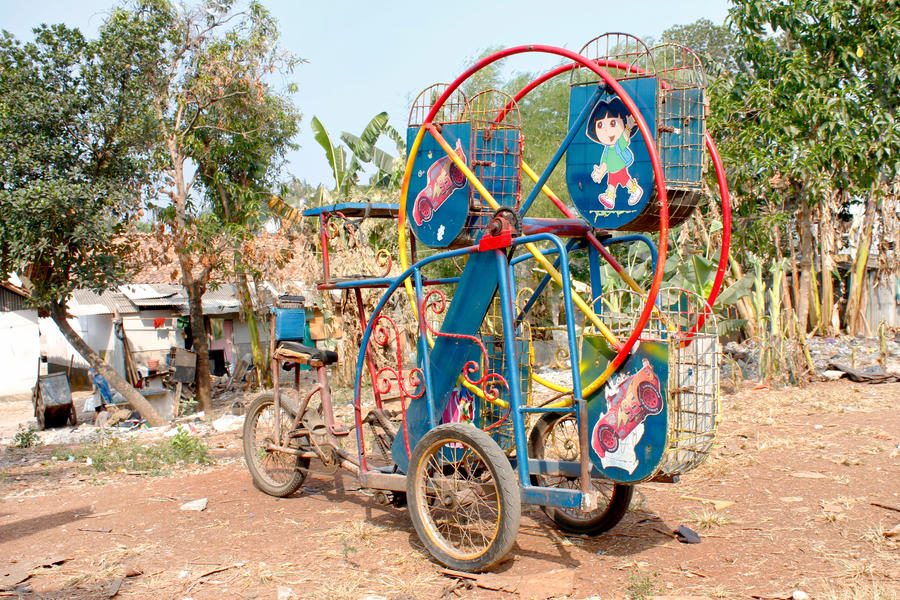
{"x": 306, "y": 355}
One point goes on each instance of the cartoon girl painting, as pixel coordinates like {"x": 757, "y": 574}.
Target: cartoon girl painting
{"x": 612, "y": 125}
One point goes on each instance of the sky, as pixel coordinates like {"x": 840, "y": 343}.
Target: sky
{"x": 368, "y": 57}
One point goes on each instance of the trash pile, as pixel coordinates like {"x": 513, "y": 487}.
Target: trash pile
{"x": 858, "y": 358}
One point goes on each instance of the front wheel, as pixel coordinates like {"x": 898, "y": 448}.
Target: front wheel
{"x": 463, "y": 497}
{"x": 555, "y": 437}
{"x": 274, "y": 472}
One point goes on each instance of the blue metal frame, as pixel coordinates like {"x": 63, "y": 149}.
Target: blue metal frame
{"x": 573, "y": 244}
{"x": 530, "y": 494}
{"x": 637, "y": 237}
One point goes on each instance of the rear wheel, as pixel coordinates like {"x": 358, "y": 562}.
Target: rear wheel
{"x": 276, "y": 473}
{"x": 463, "y": 497}
{"x": 555, "y": 437}
{"x": 609, "y": 439}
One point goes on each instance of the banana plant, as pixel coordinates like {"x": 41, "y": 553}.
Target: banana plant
{"x": 348, "y": 161}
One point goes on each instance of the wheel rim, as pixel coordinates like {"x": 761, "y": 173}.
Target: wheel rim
{"x": 425, "y": 210}
{"x": 277, "y": 468}
{"x": 608, "y": 438}
{"x": 460, "y": 499}
{"x": 457, "y": 176}
{"x": 561, "y": 443}
{"x": 649, "y": 397}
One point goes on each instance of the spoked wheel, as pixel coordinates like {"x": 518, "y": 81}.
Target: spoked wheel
{"x": 555, "y": 437}
{"x": 463, "y": 497}
{"x": 275, "y": 473}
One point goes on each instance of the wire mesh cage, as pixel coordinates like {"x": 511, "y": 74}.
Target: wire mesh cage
{"x": 625, "y": 55}
{"x": 496, "y": 156}
{"x": 667, "y": 84}
{"x": 685, "y": 322}
{"x": 452, "y": 111}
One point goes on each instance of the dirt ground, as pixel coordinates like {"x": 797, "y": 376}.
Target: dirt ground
{"x": 813, "y": 474}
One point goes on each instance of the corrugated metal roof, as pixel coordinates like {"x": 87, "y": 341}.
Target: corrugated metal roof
{"x": 87, "y": 302}
{"x": 155, "y": 295}
{"x": 12, "y": 297}
{"x": 222, "y": 300}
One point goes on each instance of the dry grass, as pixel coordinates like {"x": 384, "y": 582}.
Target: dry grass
{"x": 860, "y": 590}
{"x": 357, "y": 531}
{"x": 411, "y": 585}
{"x": 110, "y": 564}
{"x": 349, "y": 586}
{"x": 876, "y": 537}
{"x": 710, "y": 519}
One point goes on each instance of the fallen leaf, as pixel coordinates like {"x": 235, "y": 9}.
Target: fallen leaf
{"x": 895, "y": 532}
{"x": 808, "y": 475}
{"x": 717, "y": 504}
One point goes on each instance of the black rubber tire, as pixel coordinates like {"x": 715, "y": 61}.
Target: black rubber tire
{"x": 616, "y": 495}
{"x": 497, "y": 471}
{"x": 298, "y": 465}
{"x": 73, "y": 416}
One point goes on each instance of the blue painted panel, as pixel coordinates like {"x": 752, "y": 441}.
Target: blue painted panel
{"x": 471, "y": 301}
{"x": 437, "y": 202}
{"x": 627, "y": 417}
{"x": 608, "y": 170}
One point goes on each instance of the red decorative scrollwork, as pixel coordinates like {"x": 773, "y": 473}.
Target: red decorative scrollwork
{"x": 491, "y": 384}
{"x": 384, "y": 331}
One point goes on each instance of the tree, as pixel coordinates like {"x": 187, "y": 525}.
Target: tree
{"x": 811, "y": 116}
{"x": 207, "y": 71}
{"x": 238, "y": 173}
{"x": 714, "y": 44}
{"x": 72, "y": 130}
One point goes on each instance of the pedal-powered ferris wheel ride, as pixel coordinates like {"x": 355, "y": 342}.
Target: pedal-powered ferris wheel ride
{"x": 470, "y": 443}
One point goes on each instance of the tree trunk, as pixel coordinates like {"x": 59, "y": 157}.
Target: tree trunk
{"x": 826, "y": 251}
{"x": 804, "y": 226}
{"x": 134, "y": 398}
{"x": 201, "y": 343}
{"x": 249, "y": 314}
{"x": 855, "y": 308}
{"x": 743, "y": 306}
{"x": 785, "y": 286}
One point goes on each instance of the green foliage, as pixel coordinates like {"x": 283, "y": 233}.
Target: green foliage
{"x": 347, "y": 162}
{"x": 714, "y": 44}
{"x": 73, "y": 126}
{"x": 814, "y": 106}
{"x": 115, "y": 454}
{"x": 26, "y": 438}
{"x": 640, "y": 586}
